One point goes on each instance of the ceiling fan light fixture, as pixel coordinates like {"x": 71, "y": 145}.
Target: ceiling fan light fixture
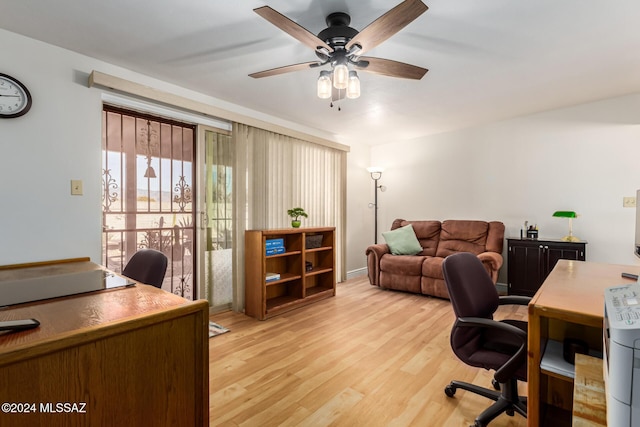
{"x": 340, "y": 76}
{"x": 324, "y": 85}
{"x": 340, "y": 45}
{"x": 353, "y": 87}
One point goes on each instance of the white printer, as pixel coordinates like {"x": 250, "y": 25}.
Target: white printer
{"x": 622, "y": 354}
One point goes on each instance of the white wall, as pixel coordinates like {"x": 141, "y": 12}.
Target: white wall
{"x": 359, "y": 215}
{"x": 58, "y": 140}
{"x": 584, "y": 158}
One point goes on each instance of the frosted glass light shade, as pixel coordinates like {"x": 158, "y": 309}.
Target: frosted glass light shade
{"x": 353, "y": 87}
{"x": 324, "y": 85}
{"x": 375, "y": 171}
{"x": 340, "y": 76}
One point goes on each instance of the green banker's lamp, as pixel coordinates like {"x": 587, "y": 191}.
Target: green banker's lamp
{"x": 570, "y": 215}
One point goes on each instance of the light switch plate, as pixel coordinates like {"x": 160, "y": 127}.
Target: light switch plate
{"x": 76, "y": 187}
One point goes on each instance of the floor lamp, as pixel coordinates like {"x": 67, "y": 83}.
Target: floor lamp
{"x": 376, "y": 174}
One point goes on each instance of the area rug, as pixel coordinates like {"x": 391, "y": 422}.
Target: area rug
{"x": 215, "y": 329}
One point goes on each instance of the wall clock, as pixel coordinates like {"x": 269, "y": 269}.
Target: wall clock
{"x": 15, "y": 99}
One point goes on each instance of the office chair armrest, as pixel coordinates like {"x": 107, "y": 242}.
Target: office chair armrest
{"x": 506, "y": 371}
{"x": 513, "y": 299}
{"x": 490, "y": 323}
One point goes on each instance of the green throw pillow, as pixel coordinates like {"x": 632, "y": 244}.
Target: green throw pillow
{"x": 403, "y": 241}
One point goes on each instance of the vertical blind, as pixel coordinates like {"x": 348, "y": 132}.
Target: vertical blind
{"x": 276, "y": 173}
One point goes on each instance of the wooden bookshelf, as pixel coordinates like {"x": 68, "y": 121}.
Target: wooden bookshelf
{"x": 296, "y": 286}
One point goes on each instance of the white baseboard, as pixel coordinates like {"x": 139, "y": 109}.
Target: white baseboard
{"x": 356, "y": 273}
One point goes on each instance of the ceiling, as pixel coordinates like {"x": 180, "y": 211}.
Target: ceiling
{"x": 488, "y": 60}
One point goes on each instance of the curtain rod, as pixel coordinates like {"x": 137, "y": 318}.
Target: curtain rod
{"x": 99, "y": 79}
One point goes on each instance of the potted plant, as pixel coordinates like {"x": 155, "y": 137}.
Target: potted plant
{"x": 295, "y": 215}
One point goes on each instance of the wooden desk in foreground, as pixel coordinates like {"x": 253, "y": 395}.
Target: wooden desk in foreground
{"x": 128, "y": 356}
{"x": 570, "y": 303}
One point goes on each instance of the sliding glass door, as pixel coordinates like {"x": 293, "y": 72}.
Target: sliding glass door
{"x": 215, "y": 197}
{"x": 147, "y": 176}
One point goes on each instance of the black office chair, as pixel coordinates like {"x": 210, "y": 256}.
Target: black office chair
{"x": 147, "y": 266}
{"x": 478, "y": 340}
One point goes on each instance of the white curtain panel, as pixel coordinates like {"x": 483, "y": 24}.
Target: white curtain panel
{"x": 275, "y": 173}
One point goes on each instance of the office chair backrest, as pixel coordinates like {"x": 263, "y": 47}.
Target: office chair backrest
{"x": 470, "y": 287}
{"x": 147, "y": 266}
{"x": 472, "y": 294}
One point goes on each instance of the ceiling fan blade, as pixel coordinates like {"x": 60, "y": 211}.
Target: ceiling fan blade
{"x": 285, "y": 69}
{"x": 294, "y": 30}
{"x": 387, "y": 67}
{"x": 387, "y": 25}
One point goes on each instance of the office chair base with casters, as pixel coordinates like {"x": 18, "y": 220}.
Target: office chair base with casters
{"x": 507, "y": 400}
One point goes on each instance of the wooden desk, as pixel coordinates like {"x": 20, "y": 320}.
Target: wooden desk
{"x": 570, "y": 303}
{"x": 127, "y": 356}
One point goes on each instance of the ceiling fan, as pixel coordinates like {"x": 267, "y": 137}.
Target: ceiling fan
{"x": 341, "y": 47}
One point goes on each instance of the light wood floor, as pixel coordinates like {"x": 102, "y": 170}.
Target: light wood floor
{"x": 367, "y": 357}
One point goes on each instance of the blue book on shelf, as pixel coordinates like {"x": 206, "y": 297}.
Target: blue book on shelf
{"x": 275, "y": 250}
{"x": 272, "y": 277}
{"x": 274, "y": 243}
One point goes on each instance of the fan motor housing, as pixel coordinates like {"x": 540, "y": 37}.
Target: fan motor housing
{"x": 338, "y": 33}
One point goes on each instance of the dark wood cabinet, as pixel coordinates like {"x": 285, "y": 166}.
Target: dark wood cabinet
{"x": 529, "y": 261}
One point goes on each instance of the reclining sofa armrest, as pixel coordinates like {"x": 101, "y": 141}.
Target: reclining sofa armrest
{"x": 374, "y": 255}
{"x": 492, "y": 261}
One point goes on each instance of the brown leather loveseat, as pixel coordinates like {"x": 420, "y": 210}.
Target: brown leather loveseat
{"x": 422, "y": 273}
